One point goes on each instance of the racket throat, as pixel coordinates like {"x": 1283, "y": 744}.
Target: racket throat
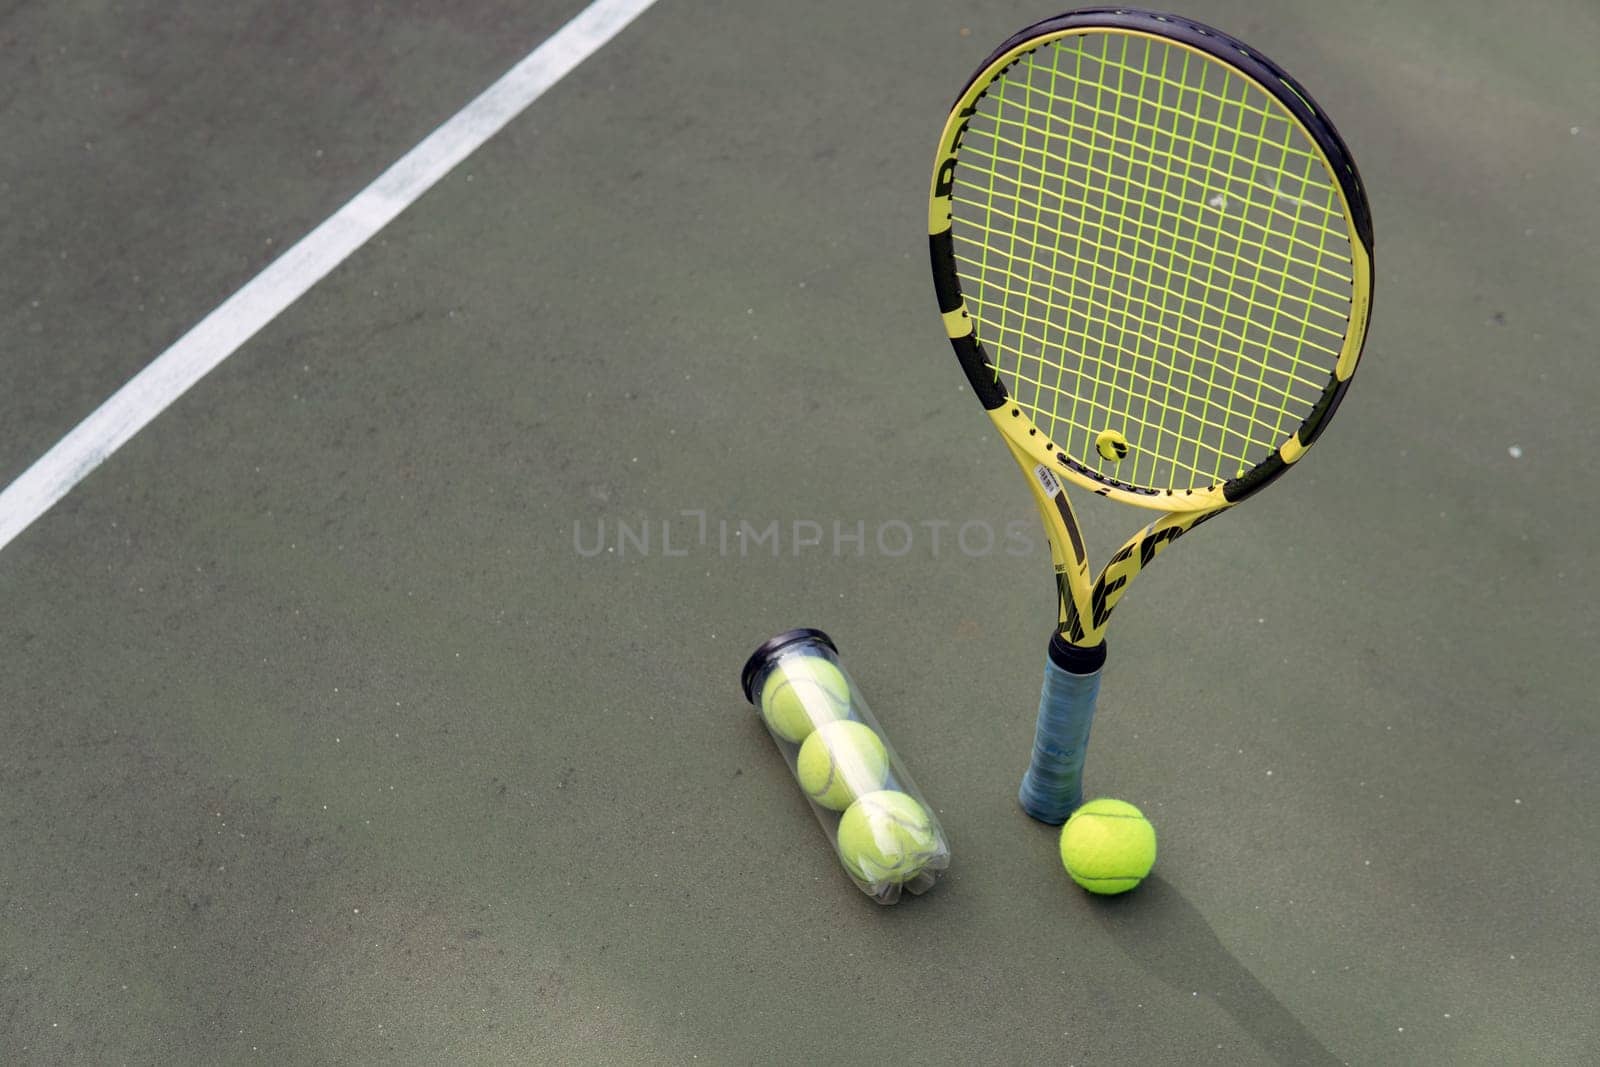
{"x": 1070, "y": 624}
{"x": 1068, "y": 554}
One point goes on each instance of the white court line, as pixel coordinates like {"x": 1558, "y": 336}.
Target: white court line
{"x": 237, "y": 319}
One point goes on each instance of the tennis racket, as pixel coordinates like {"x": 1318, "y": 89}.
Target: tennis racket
{"x": 1153, "y": 255}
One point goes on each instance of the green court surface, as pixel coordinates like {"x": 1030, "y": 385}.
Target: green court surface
{"x": 379, "y": 701}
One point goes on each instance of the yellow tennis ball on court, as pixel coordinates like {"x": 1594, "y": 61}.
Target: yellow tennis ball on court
{"x": 887, "y": 837}
{"x": 840, "y": 761}
{"x": 1108, "y": 846}
{"x": 801, "y": 692}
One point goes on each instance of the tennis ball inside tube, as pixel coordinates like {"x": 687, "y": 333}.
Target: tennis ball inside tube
{"x": 886, "y": 837}
{"x": 840, "y": 761}
{"x": 800, "y": 693}
{"x": 1108, "y": 846}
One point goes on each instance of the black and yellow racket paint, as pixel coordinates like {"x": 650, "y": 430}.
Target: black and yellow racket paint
{"x": 1153, "y": 255}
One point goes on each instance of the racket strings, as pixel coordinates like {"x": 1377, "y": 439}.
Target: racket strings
{"x": 1035, "y": 175}
{"x": 1149, "y": 243}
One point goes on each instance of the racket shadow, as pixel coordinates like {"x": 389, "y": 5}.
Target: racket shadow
{"x": 1157, "y": 928}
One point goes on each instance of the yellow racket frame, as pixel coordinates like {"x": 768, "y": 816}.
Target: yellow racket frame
{"x": 1032, "y": 447}
{"x": 1085, "y": 606}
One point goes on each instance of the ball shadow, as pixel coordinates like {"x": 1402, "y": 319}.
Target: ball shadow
{"x": 1157, "y": 928}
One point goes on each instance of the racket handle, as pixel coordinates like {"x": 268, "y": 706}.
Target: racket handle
{"x": 1053, "y": 787}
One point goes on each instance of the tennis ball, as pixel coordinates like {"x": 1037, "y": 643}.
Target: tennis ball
{"x": 840, "y": 761}
{"x": 1111, "y": 445}
{"x": 886, "y": 837}
{"x": 1108, "y": 846}
{"x": 801, "y": 692}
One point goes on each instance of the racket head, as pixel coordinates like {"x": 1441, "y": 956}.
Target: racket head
{"x": 1148, "y": 239}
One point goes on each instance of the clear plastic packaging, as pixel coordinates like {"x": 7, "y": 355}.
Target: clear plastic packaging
{"x": 884, "y": 833}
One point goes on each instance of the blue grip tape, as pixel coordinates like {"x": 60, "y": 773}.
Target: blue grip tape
{"x": 1053, "y": 787}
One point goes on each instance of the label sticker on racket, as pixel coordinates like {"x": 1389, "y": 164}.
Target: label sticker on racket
{"x": 1048, "y": 481}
